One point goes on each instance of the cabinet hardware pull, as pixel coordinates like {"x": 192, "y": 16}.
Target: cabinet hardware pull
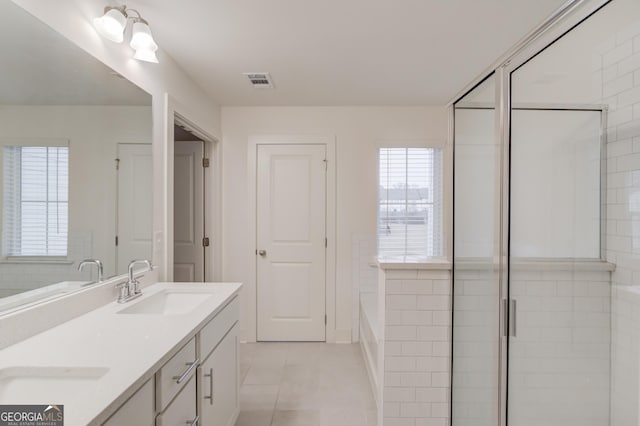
{"x": 179, "y": 379}
{"x": 193, "y": 422}
{"x": 210, "y": 397}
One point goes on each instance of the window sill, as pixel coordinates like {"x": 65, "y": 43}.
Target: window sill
{"x": 35, "y": 261}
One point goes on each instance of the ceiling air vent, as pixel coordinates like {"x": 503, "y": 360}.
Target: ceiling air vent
{"x": 260, "y": 80}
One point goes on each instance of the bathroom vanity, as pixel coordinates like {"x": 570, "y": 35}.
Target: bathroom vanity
{"x": 169, "y": 357}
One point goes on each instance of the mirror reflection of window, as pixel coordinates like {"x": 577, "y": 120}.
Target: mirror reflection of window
{"x": 36, "y": 201}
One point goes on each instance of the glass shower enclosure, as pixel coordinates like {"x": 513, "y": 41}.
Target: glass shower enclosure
{"x": 547, "y": 229}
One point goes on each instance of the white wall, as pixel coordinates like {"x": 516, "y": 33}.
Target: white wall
{"x": 359, "y": 131}
{"x": 73, "y": 19}
{"x": 94, "y": 133}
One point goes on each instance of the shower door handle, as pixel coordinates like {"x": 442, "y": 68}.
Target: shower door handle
{"x": 513, "y": 314}
{"x": 505, "y": 318}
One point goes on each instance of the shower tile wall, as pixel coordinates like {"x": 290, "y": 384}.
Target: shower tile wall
{"x": 620, "y": 72}
{"x": 475, "y": 386}
{"x": 560, "y": 366}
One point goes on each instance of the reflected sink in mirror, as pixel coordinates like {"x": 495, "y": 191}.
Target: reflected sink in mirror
{"x": 39, "y": 384}
{"x": 41, "y": 294}
{"x": 168, "y": 302}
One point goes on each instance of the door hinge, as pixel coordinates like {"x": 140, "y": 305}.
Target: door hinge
{"x": 205, "y": 242}
{"x": 205, "y": 162}
{"x": 116, "y": 240}
{"x": 325, "y": 164}
{"x": 117, "y": 160}
{"x": 326, "y": 242}
{"x": 325, "y": 319}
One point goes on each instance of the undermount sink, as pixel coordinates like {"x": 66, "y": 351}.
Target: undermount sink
{"x": 38, "y": 385}
{"x": 168, "y": 302}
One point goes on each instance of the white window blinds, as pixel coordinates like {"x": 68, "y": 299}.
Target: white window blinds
{"x": 35, "y": 200}
{"x": 410, "y": 202}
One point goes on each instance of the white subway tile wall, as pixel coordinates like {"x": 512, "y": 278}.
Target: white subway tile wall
{"x": 364, "y": 276}
{"x": 417, "y": 348}
{"x": 559, "y": 363}
{"x": 475, "y": 388}
{"x": 621, "y": 72}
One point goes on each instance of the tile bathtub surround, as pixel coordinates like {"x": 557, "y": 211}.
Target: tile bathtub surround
{"x": 415, "y": 344}
{"x": 304, "y": 384}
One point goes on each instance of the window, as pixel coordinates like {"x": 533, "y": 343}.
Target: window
{"x": 410, "y": 202}
{"x": 35, "y": 201}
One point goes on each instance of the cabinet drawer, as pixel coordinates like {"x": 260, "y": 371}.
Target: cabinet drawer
{"x": 215, "y": 330}
{"x": 182, "y": 410}
{"x": 174, "y": 374}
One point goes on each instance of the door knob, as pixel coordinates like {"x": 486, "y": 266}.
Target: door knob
{"x": 262, "y": 253}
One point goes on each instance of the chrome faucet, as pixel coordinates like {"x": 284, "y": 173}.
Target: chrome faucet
{"x": 130, "y": 289}
{"x": 92, "y": 262}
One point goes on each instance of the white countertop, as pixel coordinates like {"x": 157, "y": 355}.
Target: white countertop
{"x": 131, "y": 346}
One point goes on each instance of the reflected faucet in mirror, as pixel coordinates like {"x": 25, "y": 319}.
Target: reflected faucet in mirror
{"x": 92, "y": 262}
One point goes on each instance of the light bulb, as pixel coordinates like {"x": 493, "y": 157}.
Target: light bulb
{"x": 111, "y": 25}
{"x": 141, "y": 37}
{"x": 146, "y": 55}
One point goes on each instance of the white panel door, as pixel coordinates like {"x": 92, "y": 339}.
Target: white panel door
{"x": 291, "y": 211}
{"x": 188, "y": 212}
{"x": 135, "y": 204}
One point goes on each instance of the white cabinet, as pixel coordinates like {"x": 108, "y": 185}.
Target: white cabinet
{"x": 187, "y": 390}
{"x": 137, "y": 411}
{"x": 182, "y": 410}
{"x": 218, "y": 379}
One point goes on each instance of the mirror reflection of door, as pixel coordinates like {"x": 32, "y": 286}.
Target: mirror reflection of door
{"x": 135, "y": 203}
{"x": 188, "y": 211}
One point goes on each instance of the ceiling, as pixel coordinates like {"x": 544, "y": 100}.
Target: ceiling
{"x": 41, "y": 67}
{"x": 339, "y": 52}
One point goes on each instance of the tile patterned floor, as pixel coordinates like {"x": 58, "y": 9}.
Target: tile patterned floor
{"x": 304, "y": 384}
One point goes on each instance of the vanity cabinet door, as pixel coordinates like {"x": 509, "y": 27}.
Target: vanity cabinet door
{"x": 218, "y": 380}
{"x": 137, "y": 411}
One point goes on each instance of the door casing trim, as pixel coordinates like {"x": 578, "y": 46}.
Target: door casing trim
{"x": 330, "y": 267}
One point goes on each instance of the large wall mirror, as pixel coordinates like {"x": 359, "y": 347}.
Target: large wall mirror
{"x": 75, "y": 164}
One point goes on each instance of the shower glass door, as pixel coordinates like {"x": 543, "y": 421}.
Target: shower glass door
{"x": 559, "y": 350}
{"x": 476, "y": 340}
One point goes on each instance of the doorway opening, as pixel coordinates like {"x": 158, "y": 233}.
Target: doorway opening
{"x": 192, "y": 206}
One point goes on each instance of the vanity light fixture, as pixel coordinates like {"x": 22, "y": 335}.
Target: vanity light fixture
{"x": 112, "y": 24}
